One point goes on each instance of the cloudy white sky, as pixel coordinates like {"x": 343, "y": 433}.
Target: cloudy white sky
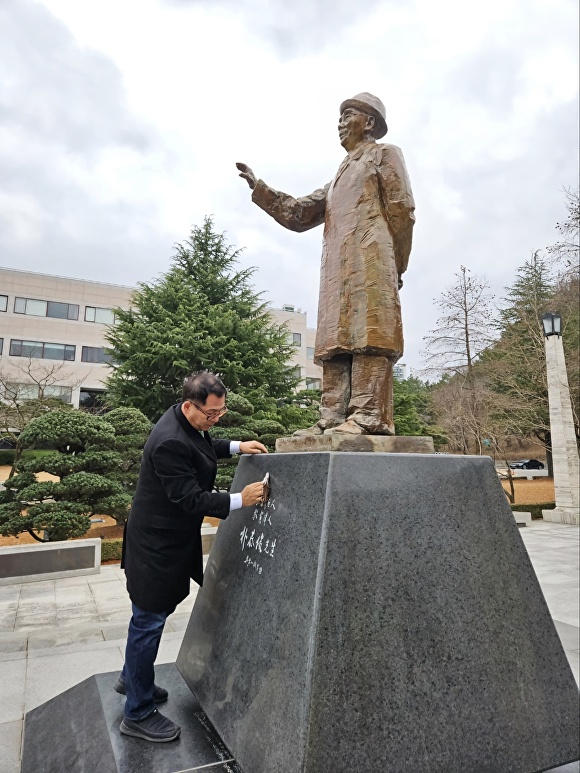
{"x": 121, "y": 122}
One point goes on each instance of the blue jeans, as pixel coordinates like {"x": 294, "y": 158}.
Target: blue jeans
{"x": 145, "y": 629}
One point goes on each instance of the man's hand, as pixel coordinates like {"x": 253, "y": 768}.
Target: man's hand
{"x": 247, "y": 174}
{"x": 252, "y": 447}
{"x": 253, "y": 494}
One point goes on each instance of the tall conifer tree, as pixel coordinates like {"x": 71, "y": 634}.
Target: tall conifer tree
{"x": 201, "y": 314}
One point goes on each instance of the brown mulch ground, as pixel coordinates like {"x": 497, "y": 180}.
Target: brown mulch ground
{"x": 532, "y": 492}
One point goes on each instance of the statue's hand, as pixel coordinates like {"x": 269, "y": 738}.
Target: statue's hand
{"x": 247, "y": 174}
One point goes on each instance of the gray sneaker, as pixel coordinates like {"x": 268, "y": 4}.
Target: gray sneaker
{"x": 155, "y": 728}
{"x": 160, "y": 695}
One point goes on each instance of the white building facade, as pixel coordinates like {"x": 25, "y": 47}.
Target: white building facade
{"x": 303, "y": 338}
{"x": 52, "y": 336}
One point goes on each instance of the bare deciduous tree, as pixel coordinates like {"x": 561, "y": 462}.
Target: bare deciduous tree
{"x": 30, "y": 388}
{"x": 464, "y": 329}
{"x": 566, "y": 252}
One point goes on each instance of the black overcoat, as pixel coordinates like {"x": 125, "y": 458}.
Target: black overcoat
{"x": 162, "y": 543}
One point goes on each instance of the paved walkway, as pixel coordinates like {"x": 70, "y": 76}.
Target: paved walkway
{"x": 54, "y": 634}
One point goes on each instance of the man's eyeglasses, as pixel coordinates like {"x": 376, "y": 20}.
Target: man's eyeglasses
{"x": 211, "y": 415}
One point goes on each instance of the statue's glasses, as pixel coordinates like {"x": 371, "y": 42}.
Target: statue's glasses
{"x": 211, "y": 415}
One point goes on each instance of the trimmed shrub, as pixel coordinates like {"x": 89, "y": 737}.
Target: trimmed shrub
{"x": 7, "y": 457}
{"x": 111, "y": 549}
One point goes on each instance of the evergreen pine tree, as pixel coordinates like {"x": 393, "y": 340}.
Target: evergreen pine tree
{"x": 201, "y": 314}
{"x": 516, "y": 365}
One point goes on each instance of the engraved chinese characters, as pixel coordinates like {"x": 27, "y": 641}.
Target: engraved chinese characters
{"x": 259, "y": 540}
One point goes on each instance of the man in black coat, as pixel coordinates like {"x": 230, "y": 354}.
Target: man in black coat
{"x": 162, "y": 547}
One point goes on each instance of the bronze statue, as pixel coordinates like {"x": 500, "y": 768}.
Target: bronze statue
{"x": 367, "y": 211}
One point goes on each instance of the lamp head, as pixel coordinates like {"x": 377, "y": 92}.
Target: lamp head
{"x": 552, "y": 324}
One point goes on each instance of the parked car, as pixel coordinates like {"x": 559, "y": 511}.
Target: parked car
{"x": 527, "y": 464}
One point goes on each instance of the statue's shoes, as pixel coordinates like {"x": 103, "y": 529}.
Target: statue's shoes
{"x": 349, "y": 427}
{"x": 314, "y": 430}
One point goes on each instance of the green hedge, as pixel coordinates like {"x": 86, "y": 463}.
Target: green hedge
{"x": 535, "y": 510}
{"x": 111, "y": 549}
{"x": 6, "y": 456}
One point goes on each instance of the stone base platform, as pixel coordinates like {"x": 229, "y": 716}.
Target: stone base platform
{"x": 79, "y": 731}
{"x": 340, "y": 441}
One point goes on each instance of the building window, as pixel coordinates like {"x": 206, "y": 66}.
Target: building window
{"x": 54, "y": 309}
{"x": 296, "y": 372}
{"x": 3, "y": 302}
{"x": 94, "y": 354}
{"x": 313, "y": 383}
{"x": 21, "y": 392}
{"x": 93, "y": 400}
{"x": 288, "y": 308}
{"x": 297, "y": 339}
{"x": 43, "y": 351}
{"x": 98, "y": 314}
{"x": 310, "y": 352}
{"x": 1, "y": 345}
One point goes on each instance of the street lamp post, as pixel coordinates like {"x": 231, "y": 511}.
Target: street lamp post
{"x": 564, "y": 446}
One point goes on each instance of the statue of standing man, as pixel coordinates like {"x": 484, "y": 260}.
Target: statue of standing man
{"x": 367, "y": 211}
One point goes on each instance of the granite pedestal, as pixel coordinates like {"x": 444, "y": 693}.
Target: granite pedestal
{"x": 379, "y": 614}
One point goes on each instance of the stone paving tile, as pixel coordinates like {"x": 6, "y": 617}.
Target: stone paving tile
{"x": 90, "y": 646}
{"x": 9, "y": 593}
{"x": 116, "y": 617}
{"x": 10, "y": 743}
{"x": 101, "y": 579}
{"x": 62, "y": 637}
{"x": 35, "y": 620}
{"x": 574, "y": 660}
{"x": 50, "y": 675}
{"x": 19, "y": 655}
{"x": 169, "y": 648}
{"x": 13, "y": 641}
{"x": 73, "y": 582}
{"x": 116, "y": 631}
{"x": 31, "y": 593}
{"x": 7, "y": 619}
{"x": 12, "y": 703}
{"x": 10, "y": 600}
{"x": 569, "y": 635}
{"x": 179, "y": 622}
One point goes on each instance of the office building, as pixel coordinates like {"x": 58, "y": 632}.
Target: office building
{"x": 52, "y": 336}
{"x": 400, "y": 371}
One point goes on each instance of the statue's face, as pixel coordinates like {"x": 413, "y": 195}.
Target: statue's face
{"x": 353, "y": 127}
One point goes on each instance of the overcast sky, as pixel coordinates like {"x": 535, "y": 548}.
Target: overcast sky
{"x": 121, "y": 122}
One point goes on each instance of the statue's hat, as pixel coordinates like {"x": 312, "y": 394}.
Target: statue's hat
{"x": 368, "y": 103}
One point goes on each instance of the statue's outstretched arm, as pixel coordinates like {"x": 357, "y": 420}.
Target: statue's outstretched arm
{"x": 295, "y": 214}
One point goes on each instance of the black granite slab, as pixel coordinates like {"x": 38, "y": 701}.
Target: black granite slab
{"x": 398, "y": 625}
{"x": 78, "y": 732}
{"x": 68, "y": 733}
{"x": 44, "y": 560}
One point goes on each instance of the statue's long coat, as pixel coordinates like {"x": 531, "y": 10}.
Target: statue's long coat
{"x": 367, "y": 211}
